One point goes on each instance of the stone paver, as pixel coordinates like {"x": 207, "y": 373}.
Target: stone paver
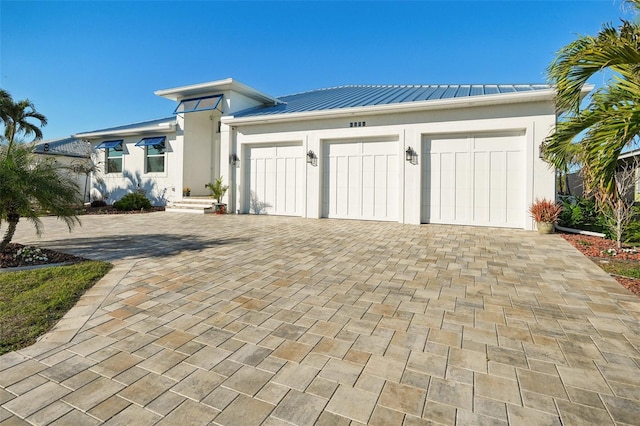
{"x": 246, "y": 320}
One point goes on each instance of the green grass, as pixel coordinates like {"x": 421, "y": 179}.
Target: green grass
{"x": 32, "y": 301}
{"x": 622, "y": 267}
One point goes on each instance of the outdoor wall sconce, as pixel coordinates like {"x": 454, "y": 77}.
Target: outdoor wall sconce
{"x": 312, "y": 158}
{"x": 233, "y": 159}
{"x": 411, "y": 156}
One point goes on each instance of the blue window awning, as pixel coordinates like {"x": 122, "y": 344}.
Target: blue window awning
{"x": 117, "y": 145}
{"x": 155, "y": 141}
{"x": 205, "y": 103}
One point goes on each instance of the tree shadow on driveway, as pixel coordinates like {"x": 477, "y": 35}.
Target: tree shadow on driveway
{"x": 120, "y": 247}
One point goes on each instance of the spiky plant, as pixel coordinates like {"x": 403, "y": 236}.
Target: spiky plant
{"x": 545, "y": 211}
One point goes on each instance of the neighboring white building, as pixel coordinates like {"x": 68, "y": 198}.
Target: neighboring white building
{"x": 74, "y": 157}
{"x": 455, "y": 154}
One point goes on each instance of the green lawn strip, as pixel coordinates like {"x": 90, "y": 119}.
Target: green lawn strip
{"x": 621, "y": 267}
{"x": 32, "y": 301}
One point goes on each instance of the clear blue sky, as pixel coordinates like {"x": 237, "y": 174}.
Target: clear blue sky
{"x": 90, "y": 65}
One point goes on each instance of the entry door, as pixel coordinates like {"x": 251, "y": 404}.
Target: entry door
{"x": 474, "y": 180}
{"x": 275, "y": 178}
{"x": 360, "y": 180}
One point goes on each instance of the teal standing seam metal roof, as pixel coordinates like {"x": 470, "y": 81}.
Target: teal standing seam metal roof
{"x": 134, "y": 126}
{"x": 372, "y": 95}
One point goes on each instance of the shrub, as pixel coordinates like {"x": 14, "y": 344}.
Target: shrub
{"x": 545, "y": 211}
{"x": 580, "y": 213}
{"x": 132, "y": 201}
{"x": 632, "y": 232}
{"x": 98, "y": 203}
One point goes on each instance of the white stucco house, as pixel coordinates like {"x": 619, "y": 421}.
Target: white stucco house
{"x": 452, "y": 154}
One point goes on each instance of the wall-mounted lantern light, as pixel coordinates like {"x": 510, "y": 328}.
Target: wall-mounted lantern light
{"x": 312, "y": 158}
{"x": 233, "y": 159}
{"x": 411, "y": 156}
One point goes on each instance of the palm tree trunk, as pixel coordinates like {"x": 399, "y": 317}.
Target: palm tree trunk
{"x": 10, "y": 135}
{"x": 8, "y": 235}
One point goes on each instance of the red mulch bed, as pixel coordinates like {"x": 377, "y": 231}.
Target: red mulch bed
{"x": 596, "y": 248}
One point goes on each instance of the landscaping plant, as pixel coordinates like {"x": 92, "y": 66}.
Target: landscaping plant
{"x": 580, "y": 213}
{"x": 132, "y": 201}
{"x": 30, "y": 186}
{"x": 217, "y": 189}
{"x": 545, "y": 211}
{"x": 632, "y": 231}
{"x": 593, "y": 136}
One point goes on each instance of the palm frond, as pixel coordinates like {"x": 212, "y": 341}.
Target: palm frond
{"x": 594, "y": 136}
{"x": 617, "y": 50}
{"x": 30, "y": 188}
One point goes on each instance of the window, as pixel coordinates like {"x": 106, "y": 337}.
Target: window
{"x": 114, "y": 160}
{"x": 198, "y": 104}
{"x": 154, "y": 154}
{"x": 113, "y": 155}
{"x": 154, "y": 162}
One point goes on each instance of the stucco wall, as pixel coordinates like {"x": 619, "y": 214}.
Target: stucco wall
{"x": 535, "y": 120}
{"x": 159, "y": 187}
{"x": 201, "y": 143}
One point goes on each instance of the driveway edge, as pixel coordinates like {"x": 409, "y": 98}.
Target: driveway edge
{"x": 67, "y": 328}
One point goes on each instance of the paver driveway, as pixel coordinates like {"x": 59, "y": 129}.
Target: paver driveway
{"x": 268, "y": 320}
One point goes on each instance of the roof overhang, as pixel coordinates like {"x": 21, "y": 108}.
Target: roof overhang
{"x": 467, "y": 102}
{"x": 216, "y": 87}
{"x": 167, "y": 126}
{"x": 629, "y": 154}
{"x": 61, "y": 154}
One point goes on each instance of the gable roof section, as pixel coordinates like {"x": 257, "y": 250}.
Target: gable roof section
{"x": 68, "y": 147}
{"x": 355, "y": 96}
{"x": 158, "y": 125}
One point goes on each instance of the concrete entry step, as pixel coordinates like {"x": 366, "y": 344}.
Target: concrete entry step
{"x": 198, "y": 205}
{"x": 188, "y": 210}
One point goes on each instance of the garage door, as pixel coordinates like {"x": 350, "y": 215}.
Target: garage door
{"x": 275, "y": 177}
{"x": 474, "y": 180}
{"x": 361, "y": 180}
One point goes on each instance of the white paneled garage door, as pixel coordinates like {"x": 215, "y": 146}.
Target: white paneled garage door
{"x": 474, "y": 180}
{"x": 275, "y": 177}
{"x": 361, "y": 180}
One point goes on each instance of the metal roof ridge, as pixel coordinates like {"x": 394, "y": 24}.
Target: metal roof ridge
{"x": 420, "y": 85}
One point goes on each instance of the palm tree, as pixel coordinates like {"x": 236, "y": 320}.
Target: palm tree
{"x": 16, "y": 116}
{"x": 28, "y": 186}
{"x": 4, "y": 98}
{"x": 611, "y": 120}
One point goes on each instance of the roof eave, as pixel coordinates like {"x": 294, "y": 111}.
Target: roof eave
{"x": 183, "y": 92}
{"x": 63, "y": 154}
{"x": 127, "y": 132}
{"x": 629, "y": 154}
{"x": 472, "y": 101}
